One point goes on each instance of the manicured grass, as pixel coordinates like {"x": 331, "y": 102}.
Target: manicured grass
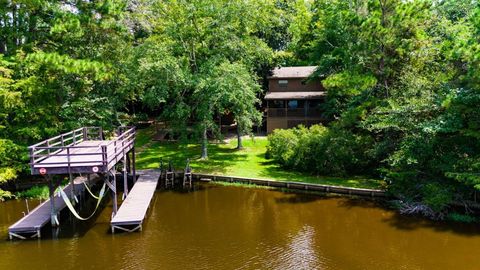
{"x": 224, "y": 159}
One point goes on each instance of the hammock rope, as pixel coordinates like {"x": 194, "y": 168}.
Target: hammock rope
{"x": 90, "y": 191}
{"x": 72, "y": 209}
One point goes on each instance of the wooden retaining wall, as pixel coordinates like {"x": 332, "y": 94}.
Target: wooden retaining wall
{"x": 293, "y": 185}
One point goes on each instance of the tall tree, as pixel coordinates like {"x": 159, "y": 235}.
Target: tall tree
{"x": 196, "y": 40}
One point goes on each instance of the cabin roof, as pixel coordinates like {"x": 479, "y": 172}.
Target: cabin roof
{"x": 292, "y": 72}
{"x": 294, "y": 95}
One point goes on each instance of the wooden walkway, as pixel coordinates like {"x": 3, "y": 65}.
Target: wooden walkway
{"x": 133, "y": 210}
{"x": 32, "y": 223}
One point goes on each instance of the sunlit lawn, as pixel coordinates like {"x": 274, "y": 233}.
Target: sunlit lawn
{"x": 225, "y": 159}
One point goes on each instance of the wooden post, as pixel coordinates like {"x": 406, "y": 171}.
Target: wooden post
{"x": 114, "y": 193}
{"x": 129, "y": 164}
{"x": 32, "y": 159}
{"x": 70, "y": 177}
{"x": 125, "y": 179}
{"x": 53, "y": 211}
{"x": 84, "y": 131}
{"x": 104, "y": 157}
{"x": 48, "y": 149}
{"x": 134, "y": 171}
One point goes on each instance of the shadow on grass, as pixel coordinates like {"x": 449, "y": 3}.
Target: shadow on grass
{"x": 220, "y": 158}
{"x": 225, "y": 159}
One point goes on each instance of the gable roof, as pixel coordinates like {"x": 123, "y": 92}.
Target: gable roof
{"x": 292, "y": 72}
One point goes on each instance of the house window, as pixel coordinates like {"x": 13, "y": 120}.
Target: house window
{"x": 279, "y": 104}
{"x": 295, "y": 104}
{"x": 282, "y": 83}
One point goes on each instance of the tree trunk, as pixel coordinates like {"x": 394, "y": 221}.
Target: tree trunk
{"x": 204, "y": 144}
{"x": 239, "y": 138}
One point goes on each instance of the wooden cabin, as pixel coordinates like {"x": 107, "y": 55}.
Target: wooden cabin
{"x": 293, "y": 98}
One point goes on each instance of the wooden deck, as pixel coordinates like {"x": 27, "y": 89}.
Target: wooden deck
{"x": 83, "y": 150}
{"x": 33, "y": 222}
{"x": 133, "y": 210}
{"x": 86, "y": 153}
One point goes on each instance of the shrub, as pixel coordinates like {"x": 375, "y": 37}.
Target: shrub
{"x": 320, "y": 150}
{"x": 4, "y": 195}
{"x": 436, "y": 196}
{"x": 36, "y": 192}
{"x": 457, "y": 217}
{"x": 281, "y": 146}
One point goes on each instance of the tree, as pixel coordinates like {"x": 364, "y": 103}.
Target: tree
{"x": 405, "y": 74}
{"x": 197, "y": 49}
{"x": 237, "y": 93}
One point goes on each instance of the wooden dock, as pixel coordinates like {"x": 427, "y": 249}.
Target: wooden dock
{"x": 83, "y": 150}
{"x": 133, "y": 210}
{"x": 31, "y": 224}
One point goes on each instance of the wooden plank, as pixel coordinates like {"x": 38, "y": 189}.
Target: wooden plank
{"x": 89, "y": 155}
{"x": 134, "y": 208}
{"x": 40, "y": 216}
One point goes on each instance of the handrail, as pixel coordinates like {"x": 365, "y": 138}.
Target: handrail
{"x": 66, "y": 144}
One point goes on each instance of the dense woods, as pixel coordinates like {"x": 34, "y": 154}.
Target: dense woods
{"x": 402, "y": 84}
{"x": 402, "y": 80}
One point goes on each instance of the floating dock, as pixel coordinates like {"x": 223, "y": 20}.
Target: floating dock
{"x": 32, "y": 223}
{"x": 134, "y": 208}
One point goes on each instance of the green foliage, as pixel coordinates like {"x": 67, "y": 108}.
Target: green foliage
{"x": 464, "y": 218}
{"x": 60, "y": 68}
{"x": 403, "y": 77}
{"x": 5, "y": 195}
{"x": 200, "y": 62}
{"x": 436, "y": 196}
{"x": 225, "y": 159}
{"x": 321, "y": 150}
{"x": 36, "y": 192}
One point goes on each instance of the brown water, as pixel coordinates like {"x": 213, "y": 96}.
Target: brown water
{"x": 220, "y": 227}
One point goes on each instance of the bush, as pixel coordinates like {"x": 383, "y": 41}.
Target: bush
{"x": 4, "y": 195}
{"x": 282, "y": 144}
{"x": 437, "y": 196}
{"x": 36, "y": 192}
{"x": 321, "y": 150}
{"x": 457, "y": 217}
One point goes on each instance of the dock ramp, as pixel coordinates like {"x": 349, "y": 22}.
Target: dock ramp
{"x": 134, "y": 208}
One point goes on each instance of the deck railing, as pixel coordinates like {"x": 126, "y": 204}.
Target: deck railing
{"x": 299, "y": 112}
{"x": 66, "y": 147}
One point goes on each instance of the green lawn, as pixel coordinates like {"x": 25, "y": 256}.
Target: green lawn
{"x": 224, "y": 159}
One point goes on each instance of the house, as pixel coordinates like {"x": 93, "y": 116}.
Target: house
{"x": 293, "y": 98}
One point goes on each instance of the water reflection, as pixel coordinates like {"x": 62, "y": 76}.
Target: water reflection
{"x": 219, "y": 227}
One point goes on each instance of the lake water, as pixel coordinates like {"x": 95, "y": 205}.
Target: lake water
{"x": 225, "y": 227}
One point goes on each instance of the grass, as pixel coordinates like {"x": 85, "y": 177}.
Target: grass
{"x": 225, "y": 159}
{"x": 35, "y": 192}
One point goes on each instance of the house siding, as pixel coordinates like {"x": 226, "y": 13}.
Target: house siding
{"x": 294, "y": 85}
{"x": 283, "y": 118}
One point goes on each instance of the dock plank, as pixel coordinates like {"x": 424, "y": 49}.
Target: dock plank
{"x": 40, "y": 216}
{"x": 134, "y": 208}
